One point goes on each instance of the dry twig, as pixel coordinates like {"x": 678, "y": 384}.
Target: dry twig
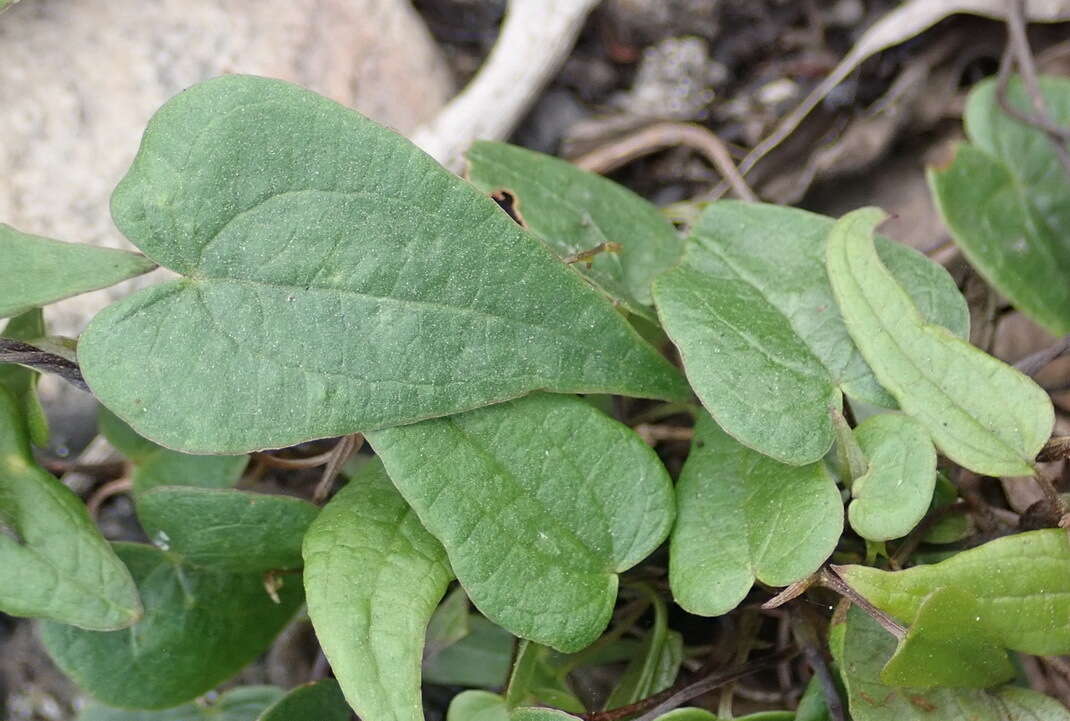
{"x": 668, "y": 135}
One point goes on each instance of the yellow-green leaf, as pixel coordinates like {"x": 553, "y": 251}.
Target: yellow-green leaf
{"x": 980, "y": 412}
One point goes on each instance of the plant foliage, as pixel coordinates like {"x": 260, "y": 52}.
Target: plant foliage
{"x": 510, "y": 530}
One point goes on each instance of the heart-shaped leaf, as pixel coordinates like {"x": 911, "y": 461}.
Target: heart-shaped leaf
{"x": 577, "y": 212}
{"x": 948, "y": 644}
{"x": 761, "y": 339}
{"x": 1006, "y": 201}
{"x": 155, "y": 466}
{"x": 540, "y": 503}
{"x": 336, "y": 279}
{"x": 1020, "y": 586}
{"x": 53, "y": 561}
{"x": 244, "y": 703}
{"x": 321, "y": 701}
{"x": 895, "y": 492}
{"x": 861, "y": 648}
{"x": 200, "y": 628}
{"x": 227, "y": 530}
{"x": 374, "y": 576}
{"x": 38, "y": 271}
{"x": 21, "y": 381}
{"x": 980, "y": 412}
{"x": 742, "y": 516}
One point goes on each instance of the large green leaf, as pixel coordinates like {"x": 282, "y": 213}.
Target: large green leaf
{"x": 862, "y": 651}
{"x": 53, "y": 561}
{"x": 980, "y": 412}
{"x": 481, "y": 659}
{"x": 321, "y": 701}
{"x": 244, "y": 703}
{"x": 37, "y": 270}
{"x": 742, "y": 516}
{"x": 227, "y": 530}
{"x": 155, "y": 466}
{"x": 895, "y": 492}
{"x": 1020, "y": 586}
{"x": 200, "y": 628}
{"x": 574, "y": 211}
{"x": 20, "y": 380}
{"x": 336, "y": 279}
{"x": 540, "y": 503}
{"x": 374, "y": 576}
{"x": 1006, "y": 201}
{"x": 762, "y": 341}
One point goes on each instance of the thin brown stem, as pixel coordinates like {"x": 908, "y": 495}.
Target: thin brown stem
{"x": 807, "y": 638}
{"x": 831, "y": 579}
{"x": 676, "y": 698}
{"x": 1019, "y": 53}
{"x": 347, "y": 446}
{"x": 112, "y": 488}
{"x": 660, "y": 136}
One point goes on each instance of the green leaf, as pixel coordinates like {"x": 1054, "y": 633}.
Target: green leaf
{"x": 321, "y": 701}
{"x": 477, "y": 706}
{"x": 449, "y": 624}
{"x": 540, "y": 503}
{"x": 244, "y": 703}
{"x": 53, "y": 561}
{"x": 374, "y": 576}
{"x": 1006, "y": 201}
{"x": 155, "y": 466}
{"x": 38, "y": 271}
{"x": 481, "y": 659}
{"x": 1019, "y": 584}
{"x": 227, "y": 530}
{"x": 761, "y": 339}
{"x": 200, "y": 628}
{"x": 21, "y": 381}
{"x": 574, "y": 211}
{"x": 654, "y": 667}
{"x": 865, "y": 649}
{"x": 336, "y": 279}
{"x": 895, "y": 492}
{"x": 948, "y": 644}
{"x": 981, "y": 413}
{"x": 743, "y": 516}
